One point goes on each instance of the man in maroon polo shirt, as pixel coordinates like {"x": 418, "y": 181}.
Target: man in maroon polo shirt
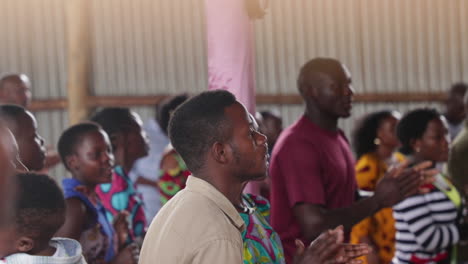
{"x": 312, "y": 167}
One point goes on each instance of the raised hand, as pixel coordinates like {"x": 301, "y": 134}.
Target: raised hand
{"x": 329, "y": 248}
{"x": 121, "y": 227}
{"x": 400, "y": 182}
{"x": 128, "y": 255}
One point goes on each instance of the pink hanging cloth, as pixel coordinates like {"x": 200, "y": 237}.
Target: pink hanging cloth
{"x": 231, "y": 65}
{"x": 231, "y": 49}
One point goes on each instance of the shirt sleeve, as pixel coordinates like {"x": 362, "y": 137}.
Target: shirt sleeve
{"x": 429, "y": 234}
{"x": 219, "y": 251}
{"x": 302, "y": 173}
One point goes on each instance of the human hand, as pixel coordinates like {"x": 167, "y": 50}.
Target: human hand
{"x": 121, "y": 227}
{"x": 128, "y": 255}
{"x": 400, "y": 182}
{"x": 328, "y": 248}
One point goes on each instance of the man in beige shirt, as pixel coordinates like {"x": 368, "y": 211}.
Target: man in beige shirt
{"x": 221, "y": 146}
{"x": 201, "y": 224}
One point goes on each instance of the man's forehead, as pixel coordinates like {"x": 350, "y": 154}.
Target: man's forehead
{"x": 346, "y": 71}
{"x": 339, "y": 73}
{"x": 238, "y": 112}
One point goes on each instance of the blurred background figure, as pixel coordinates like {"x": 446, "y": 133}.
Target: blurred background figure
{"x": 375, "y": 141}
{"x": 272, "y": 126}
{"x": 15, "y": 88}
{"x": 421, "y": 235}
{"x": 455, "y": 109}
{"x": 457, "y": 167}
{"x": 146, "y": 171}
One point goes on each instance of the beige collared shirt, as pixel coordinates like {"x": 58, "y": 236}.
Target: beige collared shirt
{"x": 198, "y": 225}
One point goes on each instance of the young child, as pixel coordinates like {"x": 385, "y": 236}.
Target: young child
{"x": 23, "y": 125}
{"x": 86, "y": 153}
{"x": 129, "y": 143}
{"x": 39, "y": 213}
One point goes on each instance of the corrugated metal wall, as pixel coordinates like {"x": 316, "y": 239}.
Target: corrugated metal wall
{"x": 32, "y": 41}
{"x": 148, "y": 46}
{"x": 388, "y": 45}
{"x": 158, "y": 46}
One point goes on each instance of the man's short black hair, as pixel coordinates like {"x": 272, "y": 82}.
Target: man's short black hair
{"x": 113, "y": 119}
{"x": 269, "y": 114}
{"x": 198, "y": 123}
{"x": 40, "y": 206}
{"x": 166, "y": 108}
{"x": 413, "y": 125}
{"x": 366, "y": 132}
{"x": 71, "y": 137}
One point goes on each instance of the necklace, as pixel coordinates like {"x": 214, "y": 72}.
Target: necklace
{"x": 245, "y": 209}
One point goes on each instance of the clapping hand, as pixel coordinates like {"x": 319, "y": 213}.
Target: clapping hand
{"x": 329, "y": 248}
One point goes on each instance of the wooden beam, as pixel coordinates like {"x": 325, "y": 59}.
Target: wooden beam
{"x": 400, "y": 97}
{"x": 48, "y": 104}
{"x": 78, "y": 57}
{"x": 286, "y": 99}
{"x": 125, "y": 101}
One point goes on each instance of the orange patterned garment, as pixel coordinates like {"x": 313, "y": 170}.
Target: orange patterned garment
{"x": 380, "y": 228}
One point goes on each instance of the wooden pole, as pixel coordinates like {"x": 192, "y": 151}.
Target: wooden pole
{"x": 78, "y": 58}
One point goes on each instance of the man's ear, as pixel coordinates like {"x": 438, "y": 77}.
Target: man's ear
{"x": 24, "y": 244}
{"x": 221, "y": 152}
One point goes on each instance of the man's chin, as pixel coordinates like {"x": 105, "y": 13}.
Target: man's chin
{"x": 259, "y": 177}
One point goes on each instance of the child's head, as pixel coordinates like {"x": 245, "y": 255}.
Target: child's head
{"x": 39, "y": 213}
{"x": 23, "y": 125}
{"x": 86, "y": 151}
{"x": 128, "y": 139}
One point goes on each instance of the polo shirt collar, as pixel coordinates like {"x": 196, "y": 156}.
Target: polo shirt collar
{"x": 204, "y": 188}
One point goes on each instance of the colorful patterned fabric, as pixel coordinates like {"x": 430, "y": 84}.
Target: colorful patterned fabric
{"x": 98, "y": 238}
{"x": 120, "y": 195}
{"x": 261, "y": 243}
{"x": 173, "y": 180}
{"x": 380, "y": 228}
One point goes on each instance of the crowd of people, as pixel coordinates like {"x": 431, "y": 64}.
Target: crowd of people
{"x": 172, "y": 190}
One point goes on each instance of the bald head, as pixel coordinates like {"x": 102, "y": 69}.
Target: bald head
{"x": 15, "y": 89}
{"x": 316, "y": 71}
{"x": 455, "y": 104}
{"x": 325, "y": 85}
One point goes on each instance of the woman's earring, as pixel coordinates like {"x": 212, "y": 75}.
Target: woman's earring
{"x": 377, "y": 141}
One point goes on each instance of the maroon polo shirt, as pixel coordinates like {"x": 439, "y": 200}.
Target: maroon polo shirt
{"x": 308, "y": 165}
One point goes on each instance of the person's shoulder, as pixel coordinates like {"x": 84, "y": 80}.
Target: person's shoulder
{"x": 185, "y": 223}
{"x": 193, "y": 214}
{"x": 292, "y": 137}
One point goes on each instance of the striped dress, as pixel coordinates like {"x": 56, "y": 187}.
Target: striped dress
{"x": 426, "y": 228}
